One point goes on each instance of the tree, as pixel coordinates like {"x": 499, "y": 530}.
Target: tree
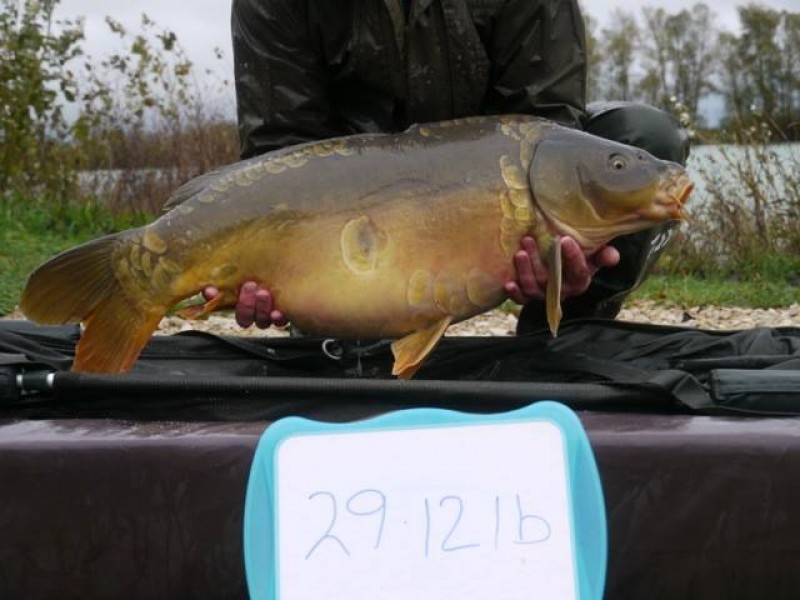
{"x": 694, "y": 53}
{"x": 761, "y": 69}
{"x": 738, "y": 96}
{"x": 759, "y": 53}
{"x": 679, "y": 53}
{"x": 618, "y": 45}
{"x": 656, "y": 62}
{"x": 34, "y": 82}
{"x": 593, "y": 60}
{"x": 788, "y": 78}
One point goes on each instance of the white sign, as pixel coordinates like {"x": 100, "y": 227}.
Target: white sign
{"x": 427, "y": 503}
{"x": 459, "y": 511}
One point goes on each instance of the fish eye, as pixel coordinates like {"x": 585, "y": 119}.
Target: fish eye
{"x": 617, "y": 162}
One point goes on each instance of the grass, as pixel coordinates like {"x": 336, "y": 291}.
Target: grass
{"x": 32, "y": 232}
{"x": 688, "y": 290}
{"x": 689, "y": 276}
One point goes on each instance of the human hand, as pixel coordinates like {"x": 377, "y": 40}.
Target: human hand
{"x": 255, "y": 305}
{"x": 578, "y": 268}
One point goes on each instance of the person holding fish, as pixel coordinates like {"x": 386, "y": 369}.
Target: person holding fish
{"x": 314, "y": 70}
{"x": 420, "y": 148}
{"x": 459, "y": 138}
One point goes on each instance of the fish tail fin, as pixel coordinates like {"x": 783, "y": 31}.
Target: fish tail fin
{"x": 81, "y": 285}
{"x": 69, "y": 286}
{"x": 116, "y": 332}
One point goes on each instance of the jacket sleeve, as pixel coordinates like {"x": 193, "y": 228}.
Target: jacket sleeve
{"x": 281, "y": 83}
{"x": 538, "y": 53}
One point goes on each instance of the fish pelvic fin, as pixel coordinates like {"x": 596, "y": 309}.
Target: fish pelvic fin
{"x": 553, "y": 292}
{"x": 81, "y": 284}
{"x": 199, "y": 311}
{"x": 409, "y": 352}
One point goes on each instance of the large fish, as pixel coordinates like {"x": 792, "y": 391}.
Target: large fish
{"x": 362, "y": 237}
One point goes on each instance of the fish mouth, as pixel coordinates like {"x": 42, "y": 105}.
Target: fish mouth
{"x": 670, "y": 199}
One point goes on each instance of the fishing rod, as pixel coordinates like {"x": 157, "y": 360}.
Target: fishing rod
{"x": 22, "y": 386}
{"x": 728, "y": 390}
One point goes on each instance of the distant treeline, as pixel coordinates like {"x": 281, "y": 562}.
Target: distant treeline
{"x": 670, "y": 58}
{"x": 147, "y": 105}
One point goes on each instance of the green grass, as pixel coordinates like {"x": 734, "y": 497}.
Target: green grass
{"x": 689, "y": 290}
{"x": 31, "y": 232}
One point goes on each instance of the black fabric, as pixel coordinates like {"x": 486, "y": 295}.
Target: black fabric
{"x": 667, "y": 368}
{"x": 640, "y": 125}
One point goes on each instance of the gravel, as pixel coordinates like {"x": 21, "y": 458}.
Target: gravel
{"x": 499, "y": 323}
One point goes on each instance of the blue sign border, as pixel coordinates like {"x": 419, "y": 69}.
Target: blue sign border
{"x": 587, "y": 507}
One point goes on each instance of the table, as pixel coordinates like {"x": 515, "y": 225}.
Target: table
{"x": 698, "y": 507}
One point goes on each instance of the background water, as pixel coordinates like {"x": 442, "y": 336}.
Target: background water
{"x": 725, "y": 167}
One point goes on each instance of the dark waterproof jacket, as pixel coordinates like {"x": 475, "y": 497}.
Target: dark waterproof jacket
{"x": 313, "y": 69}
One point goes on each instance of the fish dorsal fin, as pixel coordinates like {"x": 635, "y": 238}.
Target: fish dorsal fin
{"x": 410, "y": 351}
{"x": 197, "y": 184}
{"x": 553, "y": 294}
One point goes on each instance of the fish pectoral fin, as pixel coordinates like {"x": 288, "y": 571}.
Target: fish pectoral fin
{"x": 553, "y": 294}
{"x": 198, "y": 311}
{"x": 410, "y": 351}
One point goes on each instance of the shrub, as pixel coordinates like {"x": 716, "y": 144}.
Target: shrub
{"x": 745, "y": 213}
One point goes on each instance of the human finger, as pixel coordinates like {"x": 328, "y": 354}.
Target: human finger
{"x": 528, "y": 245}
{"x": 278, "y": 318}
{"x": 262, "y": 313}
{"x": 607, "y": 256}
{"x": 577, "y": 271}
{"x": 246, "y": 305}
{"x": 514, "y": 293}
{"x": 210, "y": 292}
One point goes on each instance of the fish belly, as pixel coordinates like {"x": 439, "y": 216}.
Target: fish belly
{"x": 395, "y": 269}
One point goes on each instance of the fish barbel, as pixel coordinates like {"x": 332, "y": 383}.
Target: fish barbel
{"x": 362, "y": 237}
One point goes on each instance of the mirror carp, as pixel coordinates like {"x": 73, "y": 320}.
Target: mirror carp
{"x": 362, "y": 237}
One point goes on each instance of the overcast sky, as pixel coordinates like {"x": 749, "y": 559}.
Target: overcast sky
{"x": 202, "y": 25}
